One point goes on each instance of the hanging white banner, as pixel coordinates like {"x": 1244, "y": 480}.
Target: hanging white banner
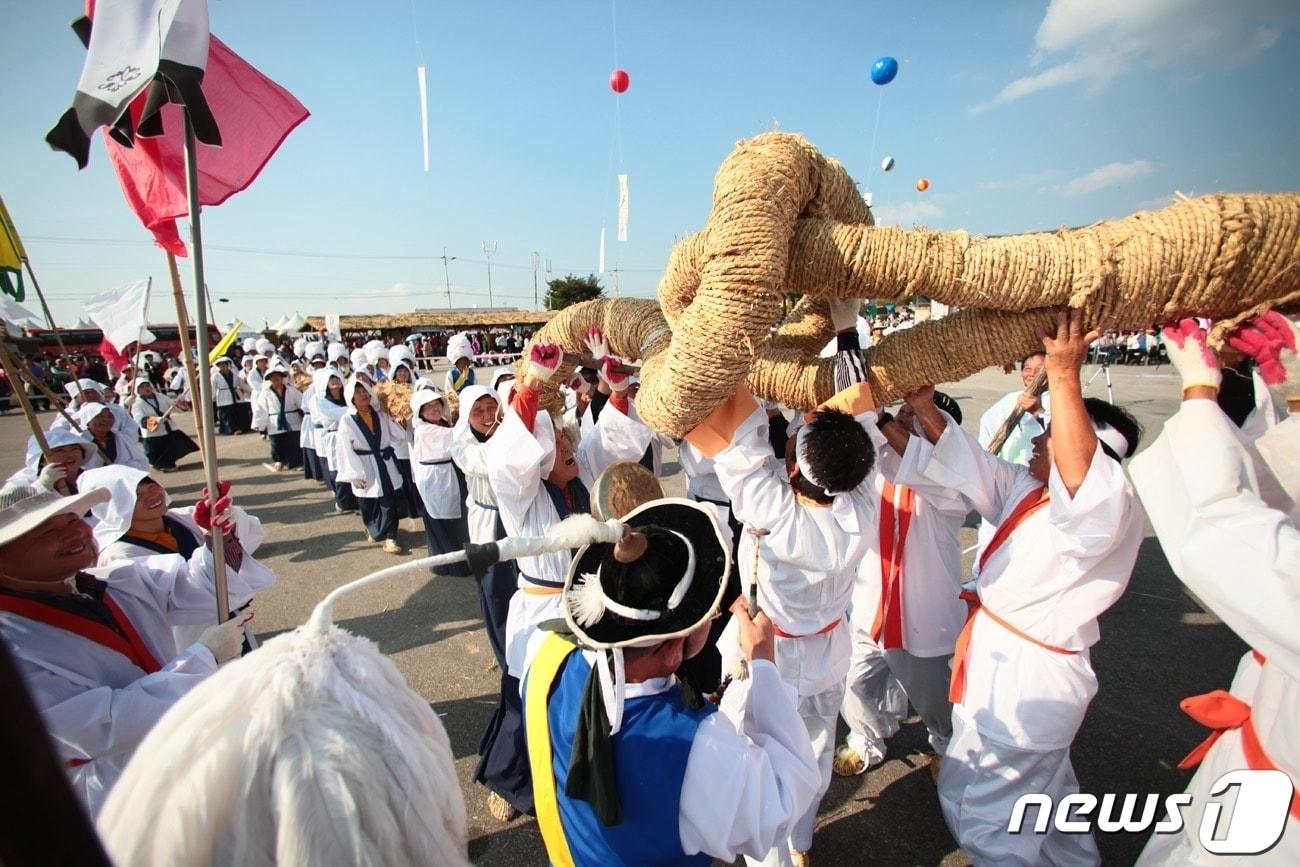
{"x": 601, "y": 268}
{"x": 122, "y": 314}
{"x": 622, "y": 207}
{"x": 333, "y": 326}
{"x": 424, "y": 113}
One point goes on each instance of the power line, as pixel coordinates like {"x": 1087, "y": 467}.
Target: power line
{"x": 304, "y": 254}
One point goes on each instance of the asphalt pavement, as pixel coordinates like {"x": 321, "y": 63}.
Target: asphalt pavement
{"x": 1158, "y": 645}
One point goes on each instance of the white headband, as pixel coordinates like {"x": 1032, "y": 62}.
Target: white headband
{"x": 589, "y": 603}
{"x": 1113, "y": 439}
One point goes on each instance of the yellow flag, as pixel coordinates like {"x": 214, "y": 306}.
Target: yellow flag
{"x": 12, "y": 256}
{"x": 220, "y": 349}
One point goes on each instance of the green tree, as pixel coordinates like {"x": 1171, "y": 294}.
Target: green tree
{"x": 563, "y": 291}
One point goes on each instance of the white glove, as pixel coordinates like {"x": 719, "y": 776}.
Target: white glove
{"x": 51, "y": 475}
{"x": 226, "y": 639}
{"x": 609, "y": 371}
{"x": 844, "y": 313}
{"x": 596, "y": 344}
{"x": 1195, "y": 361}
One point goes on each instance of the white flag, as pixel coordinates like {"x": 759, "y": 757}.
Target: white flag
{"x": 334, "y": 326}
{"x": 622, "y": 207}
{"x": 123, "y": 314}
{"x": 601, "y": 268}
{"x": 424, "y": 113}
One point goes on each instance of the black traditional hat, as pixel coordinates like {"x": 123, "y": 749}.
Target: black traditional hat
{"x": 663, "y": 580}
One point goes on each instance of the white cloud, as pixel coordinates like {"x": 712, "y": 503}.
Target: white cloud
{"x": 907, "y": 214}
{"x": 1107, "y": 176}
{"x": 1095, "y": 41}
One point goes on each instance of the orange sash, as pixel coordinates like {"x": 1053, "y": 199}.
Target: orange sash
{"x": 1032, "y": 502}
{"x": 781, "y": 633}
{"x": 1222, "y": 711}
{"x": 887, "y": 630}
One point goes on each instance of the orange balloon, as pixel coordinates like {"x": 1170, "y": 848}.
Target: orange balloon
{"x": 922, "y": 185}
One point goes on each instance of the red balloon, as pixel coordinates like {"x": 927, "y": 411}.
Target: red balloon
{"x": 619, "y": 80}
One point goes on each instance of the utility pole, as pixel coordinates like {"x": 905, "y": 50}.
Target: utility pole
{"x": 488, "y": 249}
{"x": 537, "y": 260}
{"x": 446, "y": 273}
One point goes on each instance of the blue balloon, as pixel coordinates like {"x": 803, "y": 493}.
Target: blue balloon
{"x": 884, "y": 70}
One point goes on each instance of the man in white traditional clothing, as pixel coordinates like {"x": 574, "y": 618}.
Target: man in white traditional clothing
{"x": 808, "y": 524}
{"x": 1068, "y": 532}
{"x": 95, "y": 644}
{"x": 225, "y": 396}
{"x": 907, "y": 606}
{"x": 1225, "y": 509}
{"x": 626, "y": 769}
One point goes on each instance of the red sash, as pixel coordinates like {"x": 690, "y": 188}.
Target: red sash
{"x": 127, "y": 643}
{"x": 1222, "y": 711}
{"x": 1032, "y": 502}
{"x": 887, "y": 630}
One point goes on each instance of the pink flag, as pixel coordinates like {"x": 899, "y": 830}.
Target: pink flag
{"x": 255, "y": 115}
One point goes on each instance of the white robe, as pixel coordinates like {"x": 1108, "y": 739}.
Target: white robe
{"x": 224, "y": 393}
{"x": 480, "y": 500}
{"x": 266, "y": 410}
{"x": 96, "y": 703}
{"x": 325, "y": 417}
{"x": 129, "y": 451}
{"x": 517, "y": 464}
{"x": 307, "y": 433}
{"x": 433, "y": 472}
{"x": 142, "y": 409}
{"x": 247, "y": 528}
{"x": 1200, "y": 484}
{"x": 805, "y": 569}
{"x": 1055, "y": 575}
{"x": 123, "y": 423}
{"x": 362, "y": 470}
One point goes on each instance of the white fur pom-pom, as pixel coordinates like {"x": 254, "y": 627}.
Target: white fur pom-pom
{"x": 587, "y": 599}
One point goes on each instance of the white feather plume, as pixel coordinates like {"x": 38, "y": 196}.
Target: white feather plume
{"x": 311, "y": 750}
{"x": 587, "y": 599}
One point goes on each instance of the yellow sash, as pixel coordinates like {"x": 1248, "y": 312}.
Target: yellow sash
{"x": 541, "y": 675}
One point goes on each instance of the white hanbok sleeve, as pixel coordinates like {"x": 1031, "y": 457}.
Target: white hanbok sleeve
{"x": 1238, "y": 556}
{"x": 130, "y": 453}
{"x": 186, "y": 590}
{"x": 260, "y": 414}
{"x": 959, "y": 462}
{"x": 353, "y": 468}
{"x": 103, "y": 721}
{"x": 1088, "y": 525}
{"x": 518, "y": 460}
{"x": 764, "y": 764}
{"x": 615, "y": 437}
{"x": 470, "y": 455}
{"x": 761, "y": 496}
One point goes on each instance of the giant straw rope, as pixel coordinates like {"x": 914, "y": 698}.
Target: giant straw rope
{"x": 786, "y": 219}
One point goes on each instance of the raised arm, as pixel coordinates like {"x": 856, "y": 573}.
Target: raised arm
{"x": 1073, "y": 440}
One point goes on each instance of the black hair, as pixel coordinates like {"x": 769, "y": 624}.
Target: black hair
{"x": 839, "y": 451}
{"x": 1021, "y": 364}
{"x": 1103, "y": 413}
{"x": 949, "y": 405}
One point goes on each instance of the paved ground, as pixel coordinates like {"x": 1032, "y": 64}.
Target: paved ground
{"x": 1158, "y": 645}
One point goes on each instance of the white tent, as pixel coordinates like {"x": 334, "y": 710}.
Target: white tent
{"x": 295, "y": 324}
{"x": 278, "y": 327}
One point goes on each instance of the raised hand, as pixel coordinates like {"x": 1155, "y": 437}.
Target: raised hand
{"x": 597, "y": 345}
{"x": 208, "y": 516}
{"x": 611, "y": 371}
{"x": 1196, "y": 363}
{"x": 543, "y": 360}
{"x": 1271, "y": 340}
{"x": 1068, "y": 349}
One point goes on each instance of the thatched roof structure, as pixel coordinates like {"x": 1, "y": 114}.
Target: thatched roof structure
{"x": 438, "y": 319}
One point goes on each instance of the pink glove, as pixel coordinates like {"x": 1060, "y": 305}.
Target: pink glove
{"x": 1271, "y": 339}
{"x": 1194, "y": 360}
{"x": 223, "y": 490}
{"x": 543, "y": 360}
{"x": 208, "y": 516}
{"x": 596, "y": 344}
{"x": 609, "y": 371}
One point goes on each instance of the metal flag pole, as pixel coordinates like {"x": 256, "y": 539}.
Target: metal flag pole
{"x": 205, "y": 406}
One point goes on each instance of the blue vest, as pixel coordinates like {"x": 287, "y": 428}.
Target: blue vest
{"x": 650, "y": 753}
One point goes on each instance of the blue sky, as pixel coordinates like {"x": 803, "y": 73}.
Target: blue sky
{"x": 1023, "y": 116}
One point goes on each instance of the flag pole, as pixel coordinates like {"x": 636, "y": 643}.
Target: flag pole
{"x": 20, "y": 392}
{"x": 49, "y": 319}
{"x": 204, "y": 377}
{"x": 183, "y": 328}
{"x": 139, "y": 335}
